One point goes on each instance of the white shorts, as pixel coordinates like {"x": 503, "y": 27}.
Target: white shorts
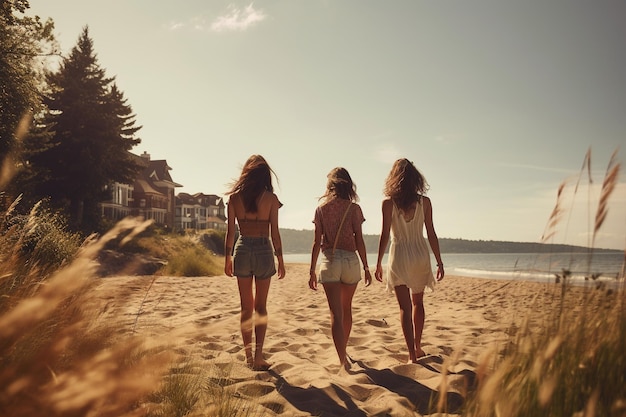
{"x": 343, "y": 267}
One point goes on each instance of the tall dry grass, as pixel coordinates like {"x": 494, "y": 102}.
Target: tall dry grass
{"x": 569, "y": 356}
{"x": 57, "y": 355}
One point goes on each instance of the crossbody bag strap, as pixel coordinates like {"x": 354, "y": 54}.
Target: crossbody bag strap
{"x": 343, "y": 219}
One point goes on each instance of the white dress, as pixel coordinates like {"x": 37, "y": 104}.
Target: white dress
{"x": 409, "y": 253}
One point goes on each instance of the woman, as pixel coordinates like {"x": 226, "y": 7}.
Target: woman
{"x": 406, "y": 211}
{"x": 254, "y": 205}
{"x": 339, "y": 236}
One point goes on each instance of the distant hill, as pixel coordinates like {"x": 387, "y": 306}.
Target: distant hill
{"x": 300, "y": 241}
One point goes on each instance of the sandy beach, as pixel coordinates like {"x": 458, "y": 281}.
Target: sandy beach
{"x": 467, "y": 319}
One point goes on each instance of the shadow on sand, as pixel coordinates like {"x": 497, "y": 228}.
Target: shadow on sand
{"x": 335, "y": 401}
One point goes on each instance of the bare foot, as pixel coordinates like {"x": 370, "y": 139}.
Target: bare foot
{"x": 261, "y": 365}
{"x": 420, "y": 353}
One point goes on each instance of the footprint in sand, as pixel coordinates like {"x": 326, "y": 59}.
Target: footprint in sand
{"x": 377, "y": 323}
{"x": 305, "y": 332}
{"x": 255, "y": 389}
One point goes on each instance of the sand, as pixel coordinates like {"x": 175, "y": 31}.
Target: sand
{"x": 467, "y": 320}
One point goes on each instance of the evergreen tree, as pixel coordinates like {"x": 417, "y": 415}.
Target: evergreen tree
{"x": 24, "y": 41}
{"x": 92, "y": 130}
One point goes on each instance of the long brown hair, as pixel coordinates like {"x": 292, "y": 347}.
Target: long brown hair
{"x": 255, "y": 178}
{"x": 405, "y": 184}
{"x": 340, "y": 185}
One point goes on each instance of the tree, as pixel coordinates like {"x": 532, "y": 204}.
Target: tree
{"x": 23, "y": 42}
{"x": 92, "y": 129}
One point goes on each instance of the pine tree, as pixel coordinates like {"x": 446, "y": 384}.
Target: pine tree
{"x": 92, "y": 131}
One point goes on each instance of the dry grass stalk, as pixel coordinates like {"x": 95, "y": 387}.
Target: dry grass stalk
{"x": 555, "y": 216}
{"x": 608, "y": 186}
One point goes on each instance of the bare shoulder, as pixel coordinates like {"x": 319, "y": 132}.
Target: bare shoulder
{"x": 274, "y": 200}
{"x": 387, "y": 203}
{"x": 234, "y": 199}
{"x": 387, "y": 207}
{"x": 426, "y": 202}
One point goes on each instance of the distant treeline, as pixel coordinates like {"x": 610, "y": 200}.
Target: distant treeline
{"x": 300, "y": 241}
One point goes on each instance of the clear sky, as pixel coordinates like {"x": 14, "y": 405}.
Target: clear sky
{"x": 496, "y": 102}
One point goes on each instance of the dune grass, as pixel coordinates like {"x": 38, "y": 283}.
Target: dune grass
{"x": 185, "y": 255}
{"x": 200, "y": 389}
{"x": 57, "y": 356}
{"x": 569, "y": 356}
{"x": 193, "y": 261}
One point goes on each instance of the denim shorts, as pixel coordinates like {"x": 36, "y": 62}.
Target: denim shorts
{"x": 253, "y": 257}
{"x": 343, "y": 267}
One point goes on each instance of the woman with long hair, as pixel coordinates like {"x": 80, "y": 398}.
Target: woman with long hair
{"x": 254, "y": 206}
{"x": 338, "y": 235}
{"x": 406, "y": 211}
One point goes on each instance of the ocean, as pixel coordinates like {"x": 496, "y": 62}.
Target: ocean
{"x": 539, "y": 267}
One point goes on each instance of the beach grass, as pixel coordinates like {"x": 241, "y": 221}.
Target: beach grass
{"x": 57, "y": 352}
{"x": 193, "y": 261}
{"x": 569, "y": 356}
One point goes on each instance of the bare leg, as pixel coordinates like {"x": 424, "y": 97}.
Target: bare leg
{"x": 347, "y": 293}
{"x": 333, "y": 295}
{"x": 406, "y": 319}
{"x": 418, "y": 322}
{"x": 247, "y": 307}
{"x": 260, "y": 325}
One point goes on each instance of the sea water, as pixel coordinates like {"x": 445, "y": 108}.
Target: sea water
{"x": 540, "y": 267}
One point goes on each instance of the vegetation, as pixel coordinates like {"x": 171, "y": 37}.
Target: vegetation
{"x": 568, "y": 359}
{"x": 56, "y": 352}
{"x": 184, "y": 255}
{"x": 193, "y": 261}
{"x": 197, "y": 389}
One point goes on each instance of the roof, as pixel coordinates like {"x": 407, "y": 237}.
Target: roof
{"x": 202, "y": 199}
{"x": 142, "y": 186}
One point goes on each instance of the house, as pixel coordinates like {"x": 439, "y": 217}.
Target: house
{"x": 199, "y": 212}
{"x": 151, "y": 196}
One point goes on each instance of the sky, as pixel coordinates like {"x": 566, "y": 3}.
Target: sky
{"x": 495, "y": 102}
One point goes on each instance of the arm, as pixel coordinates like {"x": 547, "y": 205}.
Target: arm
{"x": 360, "y": 247}
{"x": 315, "y": 251}
{"x": 432, "y": 236}
{"x": 276, "y": 241}
{"x": 230, "y": 239}
{"x": 387, "y": 208}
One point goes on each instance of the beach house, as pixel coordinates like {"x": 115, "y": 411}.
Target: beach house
{"x": 151, "y": 195}
{"x": 200, "y": 211}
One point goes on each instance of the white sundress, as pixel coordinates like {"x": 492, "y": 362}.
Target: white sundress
{"x": 409, "y": 253}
